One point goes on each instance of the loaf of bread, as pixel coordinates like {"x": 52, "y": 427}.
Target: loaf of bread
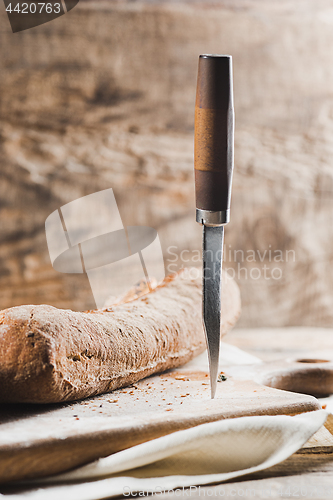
{"x": 50, "y": 355}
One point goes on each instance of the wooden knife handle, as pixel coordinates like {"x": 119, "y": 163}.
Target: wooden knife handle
{"x": 214, "y": 134}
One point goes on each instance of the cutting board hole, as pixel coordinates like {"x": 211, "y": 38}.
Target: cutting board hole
{"x": 309, "y": 360}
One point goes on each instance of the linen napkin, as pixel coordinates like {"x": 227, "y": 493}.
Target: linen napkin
{"x": 206, "y": 454}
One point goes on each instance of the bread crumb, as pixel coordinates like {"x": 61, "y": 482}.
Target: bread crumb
{"x": 222, "y": 377}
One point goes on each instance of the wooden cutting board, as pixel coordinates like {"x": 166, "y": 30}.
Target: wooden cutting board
{"x": 38, "y": 440}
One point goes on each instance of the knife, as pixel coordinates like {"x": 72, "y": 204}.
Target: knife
{"x": 213, "y": 164}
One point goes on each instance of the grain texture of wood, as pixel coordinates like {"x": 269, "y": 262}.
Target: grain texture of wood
{"x": 49, "y": 355}
{"x": 94, "y": 118}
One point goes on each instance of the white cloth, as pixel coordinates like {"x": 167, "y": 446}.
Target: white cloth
{"x": 206, "y": 454}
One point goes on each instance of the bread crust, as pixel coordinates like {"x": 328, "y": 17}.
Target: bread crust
{"x": 50, "y": 355}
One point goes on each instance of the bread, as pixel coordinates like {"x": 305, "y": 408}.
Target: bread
{"x": 54, "y": 355}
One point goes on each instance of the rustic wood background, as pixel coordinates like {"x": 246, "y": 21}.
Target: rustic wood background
{"x": 104, "y": 97}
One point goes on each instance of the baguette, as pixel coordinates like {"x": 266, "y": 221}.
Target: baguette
{"x": 50, "y": 355}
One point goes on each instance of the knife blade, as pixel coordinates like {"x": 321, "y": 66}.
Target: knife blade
{"x": 213, "y": 164}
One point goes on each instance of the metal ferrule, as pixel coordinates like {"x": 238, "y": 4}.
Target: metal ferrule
{"x": 212, "y": 219}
